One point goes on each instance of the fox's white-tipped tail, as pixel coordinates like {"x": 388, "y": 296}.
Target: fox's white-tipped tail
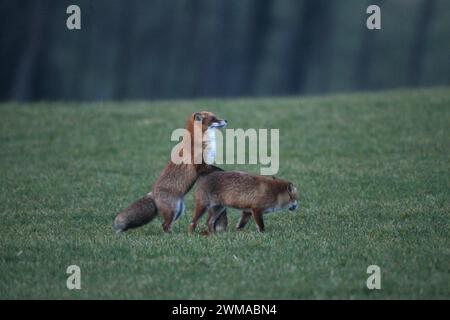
{"x": 140, "y": 212}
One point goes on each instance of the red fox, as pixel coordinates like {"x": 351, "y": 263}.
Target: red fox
{"x": 254, "y": 194}
{"x": 166, "y": 197}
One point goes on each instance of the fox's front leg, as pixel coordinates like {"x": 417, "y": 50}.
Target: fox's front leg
{"x": 245, "y": 216}
{"x": 258, "y": 216}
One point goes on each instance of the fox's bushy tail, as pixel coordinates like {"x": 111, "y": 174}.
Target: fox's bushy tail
{"x": 138, "y": 213}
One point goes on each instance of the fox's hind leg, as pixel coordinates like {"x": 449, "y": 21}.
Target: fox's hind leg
{"x": 169, "y": 218}
{"x": 245, "y": 216}
{"x": 221, "y": 223}
{"x": 170, "y": 211}
{"x": 200, "y": 209}
{"x": 214, "y": 213}
{"x": 258, "y": 216}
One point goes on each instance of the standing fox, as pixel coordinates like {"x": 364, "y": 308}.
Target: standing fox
{"x": 166, "y": 197}
{"x": 254, "y": 194}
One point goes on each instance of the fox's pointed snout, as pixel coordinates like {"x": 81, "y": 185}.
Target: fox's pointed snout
{"x": 219, "y": 124}
{"x": 293, "y": 205}
{"x": 119, "y": 224}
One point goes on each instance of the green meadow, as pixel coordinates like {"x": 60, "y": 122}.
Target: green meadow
{"x": 373, "y": 174}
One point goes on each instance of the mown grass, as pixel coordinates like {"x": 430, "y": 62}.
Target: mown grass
{"x": 372, "y": 169}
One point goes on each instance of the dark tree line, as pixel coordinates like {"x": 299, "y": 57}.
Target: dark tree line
{"x": 424, "y": 19}
{"x": 158, "y": 49}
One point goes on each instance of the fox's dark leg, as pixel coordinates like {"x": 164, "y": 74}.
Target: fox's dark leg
{"x": 221, "y": 223}
{"x": 214, "y": 214}
{"x": 258, "y": 216}
{"x": 245, "y": 216}
{"x": 200, "y": 209}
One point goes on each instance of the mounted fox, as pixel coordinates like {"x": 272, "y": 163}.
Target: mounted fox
{"x": 255, "y": 195}
{"x": 167, "y": 195}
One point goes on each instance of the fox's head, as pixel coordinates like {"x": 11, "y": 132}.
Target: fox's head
{"x": 288, "y": 198}
{"x": 208, "y": 120}
{"x": 201, "y": 136}
{"x": 292, "y": 192}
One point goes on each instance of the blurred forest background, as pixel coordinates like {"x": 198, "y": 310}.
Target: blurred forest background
{"x": 160, "y": 49}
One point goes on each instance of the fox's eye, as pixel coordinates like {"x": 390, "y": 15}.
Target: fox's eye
{"x": 291, "y": 188}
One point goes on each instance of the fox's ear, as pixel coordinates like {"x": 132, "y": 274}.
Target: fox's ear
{"x": 291, "y": 188}
{"x": 198, "y": 116}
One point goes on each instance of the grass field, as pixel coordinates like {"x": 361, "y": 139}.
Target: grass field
{"x": 373, "y": 172}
